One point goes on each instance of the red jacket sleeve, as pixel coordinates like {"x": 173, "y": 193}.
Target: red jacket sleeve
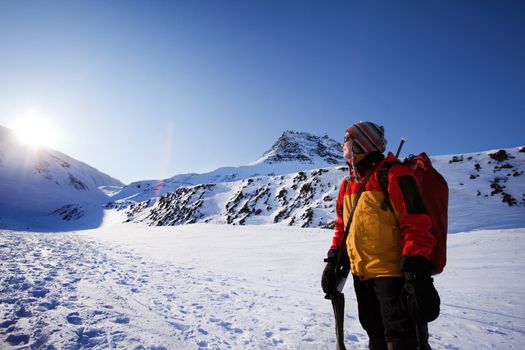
{"x": 414, "y": 221}
{"x": 339, "y": 224}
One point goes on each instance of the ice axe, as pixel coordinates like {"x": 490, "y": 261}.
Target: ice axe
{"x": 342, "y": 270}
{"x": 338, "y": 304}
{"x": 401, "y": 143}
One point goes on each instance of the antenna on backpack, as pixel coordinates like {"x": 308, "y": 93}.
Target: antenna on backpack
{"x": 401, "y": 143}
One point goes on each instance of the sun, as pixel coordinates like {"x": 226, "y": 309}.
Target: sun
{"x": 36, "y": 132}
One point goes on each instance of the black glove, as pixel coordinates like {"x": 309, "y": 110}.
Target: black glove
{"x": 416, "y": 267}
{"x": 419, "y": 297}
{"x": 328, "y": 280}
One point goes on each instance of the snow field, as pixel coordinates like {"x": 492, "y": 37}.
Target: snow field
{"x": 229, "y": 287}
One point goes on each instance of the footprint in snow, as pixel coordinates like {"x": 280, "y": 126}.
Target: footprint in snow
{"x": 228, "y": 326}
{"x": 17, "y": 339}
{"x": 202, "y": 344}
{"x": 23, "y": 312}
{"x": 117, "y": 337}
{"x": 197, "y": 306}
{"x": 25, "y": 286}
{"x": 7, "y": 324}
{"x": 39, "y": 293}
{"x": 51, "y": 305}
{"x": 90, "y": 338}
{"x": 122, "y": 320}
{"x": 74, "y": 318}
{"x": 179, "y": 326}
{"x": 352, "y": 338}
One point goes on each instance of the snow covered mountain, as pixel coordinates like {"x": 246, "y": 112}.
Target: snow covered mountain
{"x": 487, "y": 190}
{"x": 294, "y": 183}
{"x": 303, "y": 148}
{"x": 35, "y": 181}
{"x": 292, "y": 152}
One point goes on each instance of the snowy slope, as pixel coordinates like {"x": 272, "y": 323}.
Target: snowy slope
{"x": 292, "y": 152}
{"x": 304, "y": 148}
{"x": 294, "y": 183}
{"x": 487, "y": 190}
{"x": 231, "y": 287}
{"x": 34, "y": 181}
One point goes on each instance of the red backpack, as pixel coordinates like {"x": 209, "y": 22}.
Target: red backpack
{"x": 434, "y": 192}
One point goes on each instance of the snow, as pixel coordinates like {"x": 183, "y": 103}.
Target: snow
{"x": 477, "y": 183}
{"x": 294, "y": 183}
{"x": 206, "y": 286}
{"x": 35, "y": 181}
{"x": 291, "y": 153}
{"x": 76, "y": 274}
{"x": 472, "y": 204}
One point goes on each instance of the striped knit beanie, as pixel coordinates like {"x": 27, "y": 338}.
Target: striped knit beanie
{"x": 367, "y": 137}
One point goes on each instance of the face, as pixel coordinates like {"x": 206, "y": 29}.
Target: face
{"x": 347, "y": 147}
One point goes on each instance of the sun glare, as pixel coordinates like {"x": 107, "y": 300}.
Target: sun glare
{"x": 36, "y": 132}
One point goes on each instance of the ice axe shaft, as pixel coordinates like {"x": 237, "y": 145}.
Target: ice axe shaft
{"x": 341, "y": 273}
{"x": 401, "y": 143}
{"x": 338, "y": 303}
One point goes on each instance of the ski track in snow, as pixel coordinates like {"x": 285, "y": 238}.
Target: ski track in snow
{"x": 61, "y": 289}
{"x": 77, "y": 291}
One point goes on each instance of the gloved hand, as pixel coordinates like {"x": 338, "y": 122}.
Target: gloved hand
{"x": 328, "y": 280}
{"x": 416, "y": 267}
{"x": 419, "y": 297}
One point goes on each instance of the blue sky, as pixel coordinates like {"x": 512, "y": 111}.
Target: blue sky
{"x": 150, "y": 89}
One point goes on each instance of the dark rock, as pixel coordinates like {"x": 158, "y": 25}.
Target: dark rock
{"x": 456, "y": 159}
{"x": 496, "y": 187}
{"x": 500, "y": 155}
{"x": 509, "y": 199}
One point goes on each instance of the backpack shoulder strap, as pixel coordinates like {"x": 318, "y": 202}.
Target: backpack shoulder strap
{"x": 383, "y": 182}
{"x": 351, "y": 215}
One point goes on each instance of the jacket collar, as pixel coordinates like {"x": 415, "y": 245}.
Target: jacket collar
{"x": 367, "y": 163}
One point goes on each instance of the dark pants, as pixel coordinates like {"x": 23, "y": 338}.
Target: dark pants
{"x": 387, "y": 324}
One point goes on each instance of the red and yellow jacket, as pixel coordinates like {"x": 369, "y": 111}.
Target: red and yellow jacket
{"x": 379, "y": 237}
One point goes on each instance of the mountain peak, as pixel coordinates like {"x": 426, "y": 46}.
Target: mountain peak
{"x": 303, "y": 147}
